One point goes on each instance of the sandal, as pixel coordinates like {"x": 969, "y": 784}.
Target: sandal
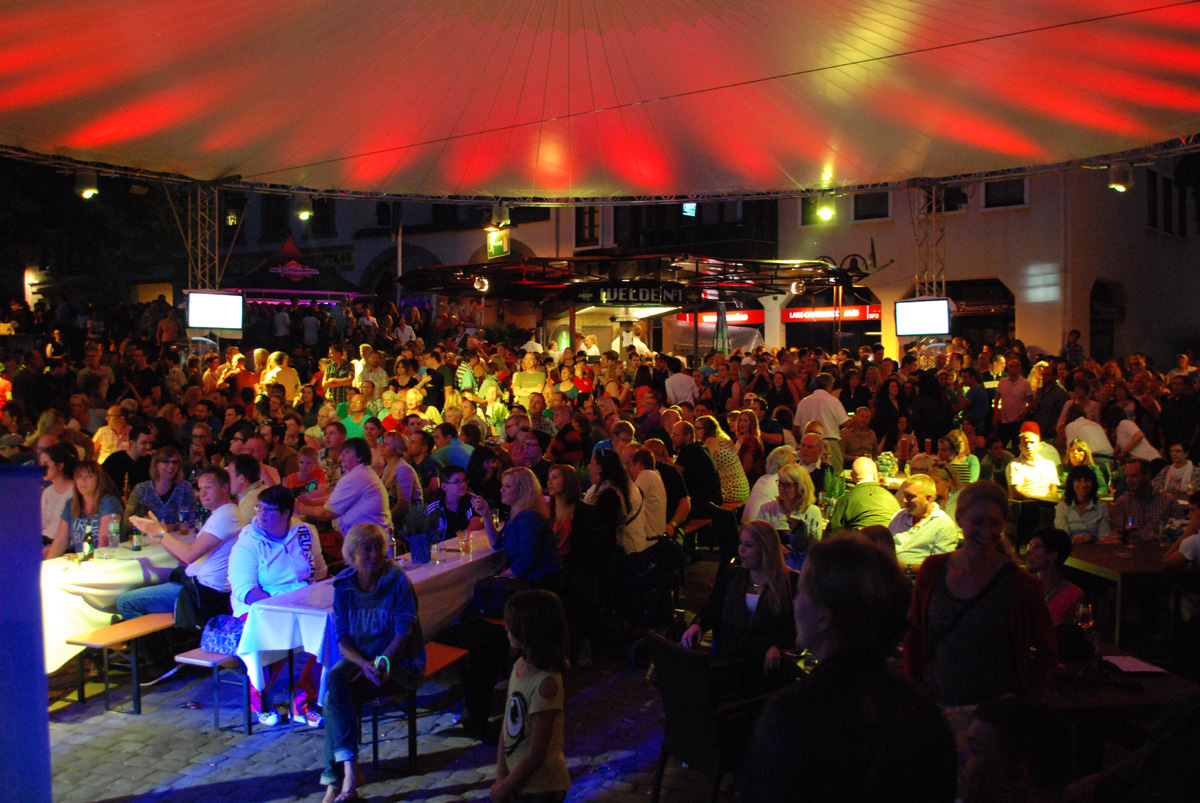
{"x": 345, "y": 797}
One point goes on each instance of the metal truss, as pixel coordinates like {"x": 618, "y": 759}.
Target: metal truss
{"x": 931, "y": 238}
{"x": 1169, "y": 148}
{"x": 201, "y": 235}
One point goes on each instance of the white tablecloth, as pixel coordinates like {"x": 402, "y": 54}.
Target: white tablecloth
{"x": 303, "y": 619}
{"x": 80, "y": 598}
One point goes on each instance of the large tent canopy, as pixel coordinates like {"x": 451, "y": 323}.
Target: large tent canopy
{"x": 594, "y": 99}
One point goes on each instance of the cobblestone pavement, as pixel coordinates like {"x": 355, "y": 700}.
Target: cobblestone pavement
{"x": 171, "y": 752}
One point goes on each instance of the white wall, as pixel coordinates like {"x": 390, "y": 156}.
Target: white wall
{"x": 1049, "y": 254}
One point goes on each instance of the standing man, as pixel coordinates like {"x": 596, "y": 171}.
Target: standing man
{"x": 1013, "y": 396}
{"x": 339, "y": 375}
{"x": 679, "y": 385}
{"x": 823, "y": 406}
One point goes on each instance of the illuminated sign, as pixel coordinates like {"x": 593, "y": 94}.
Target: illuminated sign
{"x": 635, "y": 294}
{"x": 497, "y": 244}
{"x": 732, "y": 317}
{"x": 860, "y": 312}
{"x": 295, "y": 271}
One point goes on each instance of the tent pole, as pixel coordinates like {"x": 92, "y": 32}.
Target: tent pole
{"x": 571, "y": 327}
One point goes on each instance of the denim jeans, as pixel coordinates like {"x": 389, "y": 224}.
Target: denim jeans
{"x": 149, "y": 599}
{"x": 342, "y": 697}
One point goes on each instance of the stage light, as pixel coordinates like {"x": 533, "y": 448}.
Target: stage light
{"x": 825, "y": 211}
{"x": 86, "y": 183}
{"x": 481, "y": 284}
{"x": 1120, "y": 177}
{"x": 304, "y": 207}
{"x": 797, "y": 288}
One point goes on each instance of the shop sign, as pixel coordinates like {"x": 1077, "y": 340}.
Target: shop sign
{"x": 751, "y": 317}
{"x": 858, "y": 312}
{"x": 637, "y": 294}
{"x": 295, "y": 271}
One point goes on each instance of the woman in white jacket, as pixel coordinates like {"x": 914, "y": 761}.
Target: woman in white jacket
{"x": 272, "y": 556}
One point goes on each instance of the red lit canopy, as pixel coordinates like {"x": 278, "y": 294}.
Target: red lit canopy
{"x": 577, "y": 99}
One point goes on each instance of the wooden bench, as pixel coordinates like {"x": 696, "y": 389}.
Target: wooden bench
{"x": 438, "y": 657}
{"x": 107, "y": 638}
{"x": 216, "y": 661}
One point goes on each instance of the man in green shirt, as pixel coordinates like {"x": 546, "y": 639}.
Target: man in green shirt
{"x": 867, "y": 502}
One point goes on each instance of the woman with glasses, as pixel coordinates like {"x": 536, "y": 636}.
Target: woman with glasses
{"x": 166, "y": 496}
{"x": 273, "y": 557}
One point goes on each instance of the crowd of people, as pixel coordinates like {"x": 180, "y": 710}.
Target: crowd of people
{"x": 352, "y": 428}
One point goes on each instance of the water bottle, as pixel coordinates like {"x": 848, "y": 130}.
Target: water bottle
{"x": 114, "y": 533}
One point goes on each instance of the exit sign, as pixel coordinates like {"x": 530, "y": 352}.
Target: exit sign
{"x": 497, "y": 244}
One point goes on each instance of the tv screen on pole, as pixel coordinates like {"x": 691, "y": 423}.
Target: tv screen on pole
{"x": 214, "y": 311}
{"x": 924, "y": 316}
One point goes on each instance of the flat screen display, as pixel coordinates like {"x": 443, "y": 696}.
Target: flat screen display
{"x": 214, "y": 311}
{"x": 925, "y": 316}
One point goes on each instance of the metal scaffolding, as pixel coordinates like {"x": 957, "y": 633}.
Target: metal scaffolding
{"x": 931, "y": 238}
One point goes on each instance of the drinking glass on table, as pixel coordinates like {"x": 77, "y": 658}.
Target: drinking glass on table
{"x": 1086, "y": 621}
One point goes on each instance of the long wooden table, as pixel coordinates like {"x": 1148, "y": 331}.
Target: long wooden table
{"x": 1118, "y": 562}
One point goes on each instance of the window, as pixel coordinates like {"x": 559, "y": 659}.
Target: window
{"x": 1166, "y": 204}
{"x": 383, "y": 214}
{"x": 587, "y": 226}
{"x": 1008, "y": 193}
{"x": 323, "y": 222}
{"x": 1152, "y": 199}
{"x": 872, "y": 206}
{"x": 953, "y": 198}
{"x": 275, "y": 222}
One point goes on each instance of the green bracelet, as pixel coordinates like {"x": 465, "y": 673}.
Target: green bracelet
{"x": 387, "y": 663}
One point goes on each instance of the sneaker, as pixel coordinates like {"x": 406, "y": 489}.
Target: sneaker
{"x": 314, "y": 719}
{"x": 269, "y": 719}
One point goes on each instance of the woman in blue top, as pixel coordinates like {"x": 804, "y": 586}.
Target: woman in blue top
{"x": 379, "y": 635}
{"x": 166, "y": 494}
{"x": 526, "y": 537}
{"x": 95, "y": 506}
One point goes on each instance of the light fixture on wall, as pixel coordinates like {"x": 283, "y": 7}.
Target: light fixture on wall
{"x": 304, "y": 207}
{"x": 1120, "y": 177}
{"x": 86, "y": 183}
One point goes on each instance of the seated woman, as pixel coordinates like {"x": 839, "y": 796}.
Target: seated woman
{"x": 166, "y": 496}
{"x": 483, "y": 474}
{"x": 526, "y": 537}
{"x": 1049, "y": 548}
{"x": 749, "y": 611}
{"x": 793, "y": 513}
{"x": 93, "y": 509}
{"x": 1079, "y": 453}
{"x": 383, "y": 652}
{"x": 853, "y": 729}
{"x": 272, "y": 557}
{"x": 1081, "y": 513}
{"x": 955, "y": 451}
